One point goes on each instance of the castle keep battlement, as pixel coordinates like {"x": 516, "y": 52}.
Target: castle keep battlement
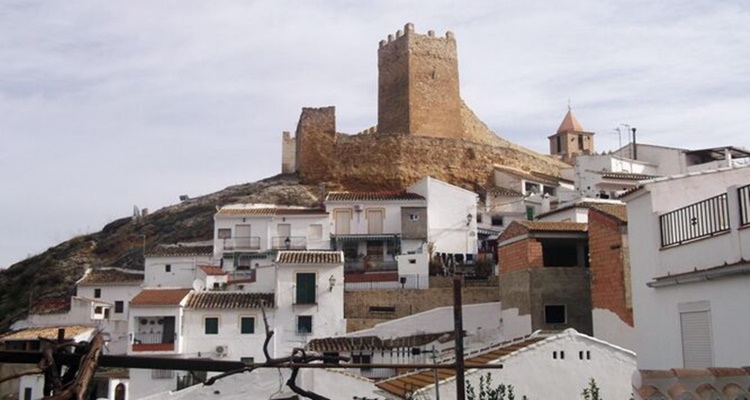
{"x": 423, "y": 128}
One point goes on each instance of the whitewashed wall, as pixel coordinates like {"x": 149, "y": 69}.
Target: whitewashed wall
{"x": 196, "y": 343}
{"x": 451, "y": 216}
{"x": 183, "y": 271}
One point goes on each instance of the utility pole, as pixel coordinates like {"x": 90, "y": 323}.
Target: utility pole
{"x": 458, "y": 325}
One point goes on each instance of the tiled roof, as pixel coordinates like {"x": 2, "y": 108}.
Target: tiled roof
{"x": 310, "y": 257}
{"x": 346, "y": 344}
{"x": 502, "y": 191}
{"x": 372, "y": 196}
{"x": 544, "y": 226}
{"x": 111, "y": 276}
{"x": 159, "y": 297}
{"x": 48, "y": 332}
{"x": 618, "y": 211}
{"x": 211, "y": 270}
{"x": 410, "y": 383}
{"x": 230, "y": 300}
{"x": 270, "y": 211}
{"x": 530, "y": 176}
{"x": 180, "y": 251}
{"x": 57, "y": 305}
{"x": 627, "y": 176}
{"x": 570, "y": 123}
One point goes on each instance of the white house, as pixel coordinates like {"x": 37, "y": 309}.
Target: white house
{"x": 248, "y": 235}
{"x": 606, "y": 176}
{"x": 176, "y": 265}
{"x": 674, "y": 161}
{"x": 539, "y": 366}
{"x": 372, "y": 228}
{"x": 689, "y": 253}
{"x": 451, "y": 217}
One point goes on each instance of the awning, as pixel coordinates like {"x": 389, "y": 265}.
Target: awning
{"x": 364, "y": 238}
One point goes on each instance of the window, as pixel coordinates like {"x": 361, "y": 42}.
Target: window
{"x": 479, "y": 218}
{"x": 559, "y": 145}
{"x": 247, "y": 325}
{"x": 247, "y": 360}
{"x": 413, "y": 217}
{"x": 580, "y": 142}
{"x": 530, "y": 213}
{"x": 119, "y": 307}
{"x": 162, "y": 374}
{"x": 531, "y": 187}
{"x": 375, "y": 221}
{"x": 27, "y": 393}
{"x": 98, "y": 310}
{"x": 362, "y": 359}
{"x": 211, "y": 325}
{"x": 97, "y": 293}
{"x": 695, "y": 326}
{"x": 305, "y": 288}
{"x": 550, "y": 190}
{"x": 304, "y": 324}
{"x": 554, "y": 314}
{"x": 168, "y": 268}
{"x": 497, "y": 220}
{"x": 224, "y": 233}
{"x": 315, "y": 232}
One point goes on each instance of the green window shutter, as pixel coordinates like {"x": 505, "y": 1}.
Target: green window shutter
{"x": 247, "y": 325}
{"x": 305, "y": 288}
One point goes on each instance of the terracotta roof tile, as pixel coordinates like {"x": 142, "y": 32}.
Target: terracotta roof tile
{"x": 47, "y": 332}
{"x": 229, "y": 300}
{"x": 413, "y": 382}
{"x": 57, "y": 305}
{"x": 618, "y": 211}
{"x": 627, "y": 176}
{"x": 310, "y": 257}
{"x": 159, "y": 297}
{"x": 211, "y": 270}
{"x": 372, "y": 196}
{"x": 346, "y": 344}
{"x": 180, "y": 251}
{"x": 270, "y": 211}
{"x": 544, "y": 226}
{"x": 530, "y": 176}
{"x": 111, "y": 276}
{"x": 570, "y": 123}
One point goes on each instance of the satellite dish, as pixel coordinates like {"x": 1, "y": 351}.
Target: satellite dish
{"x": 198, "y": 285}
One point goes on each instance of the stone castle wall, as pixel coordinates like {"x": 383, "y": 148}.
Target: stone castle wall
{"x": 418, "y": 88}
{"x": 315, "y": 148}
{"x": 288, "y": 154}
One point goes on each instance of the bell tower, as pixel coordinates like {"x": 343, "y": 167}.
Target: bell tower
{"x": 571, "y": 139}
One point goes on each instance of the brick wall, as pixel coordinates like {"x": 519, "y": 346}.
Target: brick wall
{"x": 405, "y": 302}
{"x": 524, "y": 254}
{"x": 610, "y": 271}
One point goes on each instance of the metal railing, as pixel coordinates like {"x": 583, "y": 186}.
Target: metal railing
{"x": 370, "y": 265}
{"x": 242, "y": 243}
{"x": 743, "y": 193}
{"x": 153, "y": 338}
{"x": 289, "y": 243}
{"x": 702, "y": 219}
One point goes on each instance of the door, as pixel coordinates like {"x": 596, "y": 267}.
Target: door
{"x": 343, "y": 222}
{"x": 374, "y": 222}
{"x": 283, "y": 235}
{"x": 242, "y": 236}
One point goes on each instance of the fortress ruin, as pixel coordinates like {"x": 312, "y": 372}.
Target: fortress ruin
{"x": 423, "y": 128}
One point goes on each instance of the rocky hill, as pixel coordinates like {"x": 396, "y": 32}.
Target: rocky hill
{"x": 121, "y": 242}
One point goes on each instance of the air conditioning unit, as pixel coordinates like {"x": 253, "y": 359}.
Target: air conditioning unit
{"x": 358, "y": 207}
{"x": 222, "y": 350}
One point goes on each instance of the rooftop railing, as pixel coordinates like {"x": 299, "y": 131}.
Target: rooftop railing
{"x": 289, "y": 243}
{"x": 702, "y": 219}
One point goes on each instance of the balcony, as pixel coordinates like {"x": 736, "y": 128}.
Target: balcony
{"x": 289, "y": 243}
{"x": 242, "y": 243}
{"x": 153, "y": 341}
{"x": 370, "y": 266}
{"x": 702, "y": 219}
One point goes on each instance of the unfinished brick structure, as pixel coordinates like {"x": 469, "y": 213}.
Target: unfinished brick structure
{"x": 423, "y": 128}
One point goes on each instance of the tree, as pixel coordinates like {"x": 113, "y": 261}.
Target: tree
{"x": 592, "y": 391}
{"x": 487, "y": 392}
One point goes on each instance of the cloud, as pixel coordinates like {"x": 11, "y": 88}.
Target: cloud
{"x": 108, "y": 104}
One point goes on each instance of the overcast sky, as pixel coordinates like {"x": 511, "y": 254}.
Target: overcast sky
{"x": 106, "y": 105}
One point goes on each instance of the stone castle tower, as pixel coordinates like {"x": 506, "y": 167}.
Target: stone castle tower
{"x": 418, "y": 89}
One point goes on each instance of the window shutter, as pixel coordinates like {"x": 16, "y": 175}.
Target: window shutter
{"x": 696, "y": 339}
{"x": 306, "y": 288}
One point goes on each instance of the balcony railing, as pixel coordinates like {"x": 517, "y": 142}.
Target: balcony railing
{"x": 370, "y": 265}
{"x": 744, "y": 198}
{"x": 289, "y": 243}
{"x": 702, "y": 219}
{"x": 242, "y": 243}
{"x": 153, "y": 341}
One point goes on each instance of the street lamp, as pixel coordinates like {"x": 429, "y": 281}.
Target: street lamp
{"x": 331, "y": 283}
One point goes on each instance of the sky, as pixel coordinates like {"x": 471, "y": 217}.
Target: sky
{"x": 109, "y": 105}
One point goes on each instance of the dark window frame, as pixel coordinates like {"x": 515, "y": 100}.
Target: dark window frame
{"x": 213, "y": 327}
